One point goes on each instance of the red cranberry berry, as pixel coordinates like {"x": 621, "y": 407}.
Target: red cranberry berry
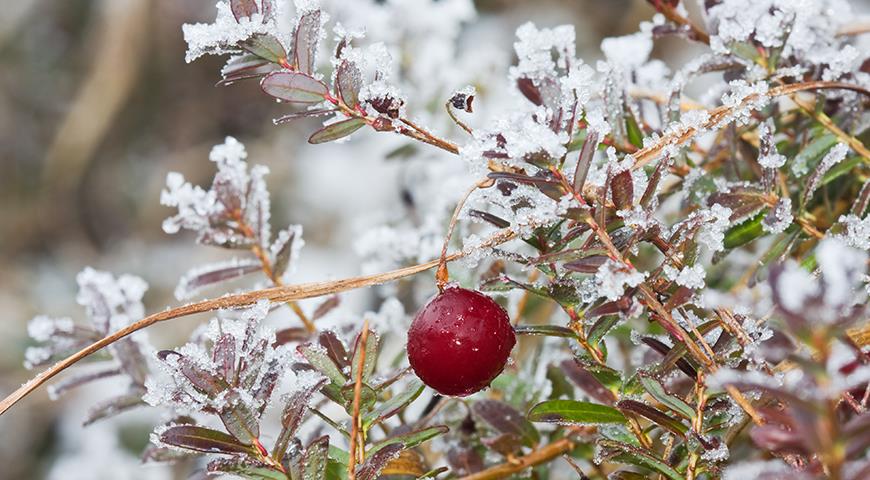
{"x": 460, "y": 341}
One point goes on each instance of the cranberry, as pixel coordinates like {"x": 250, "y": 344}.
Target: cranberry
{"x": 460, "y": 341}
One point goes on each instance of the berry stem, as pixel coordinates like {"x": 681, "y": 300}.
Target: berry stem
{"x": 442, "y": 276}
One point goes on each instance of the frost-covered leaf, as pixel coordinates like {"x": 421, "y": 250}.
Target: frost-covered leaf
{"x": 573, "y": 412}
{"x": 395, "y": 404}
{"x": 625, "y": 453}
{"x": 315, "y": 459}
{"x": 410, "y": 439}
{"x": 112, "y": 407}
{"x": 305, "y": 41}
{"x": 294, "y": 87}
{"x": 503, "y": 418}
{"x": 370, "y": 360}
{"x": 587, "y": 382}
{"x": 659, "y": 418}
{"x": 285, "y": 250}
{"x": 371, "y": 469}
{"x": 295, "y": 407}
{"x": 266, "y": 47}
{"x": 337, "y": 130}
{"x": 304, "y": 114}
{"x": 201, "y": 439}
{"x": 204, "y": 276}
{"x": 245, "y": 468}
{"x": 348, "y": 81}
{"x": 657, "y": 390}
{"x": 319, "y": 358}
{"x": 545, "y": 330}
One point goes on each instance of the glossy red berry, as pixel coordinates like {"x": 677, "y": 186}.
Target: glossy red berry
{"x": 460, "y": 341}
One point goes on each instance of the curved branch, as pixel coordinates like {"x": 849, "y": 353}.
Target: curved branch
{"x": 281, "y": 294}
{"x": 648, "y": 154}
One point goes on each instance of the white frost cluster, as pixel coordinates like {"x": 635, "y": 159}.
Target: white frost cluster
{"x": 689, "y": 276}
{"x": 712, "y": 232}
{"x": 769, "y": 156}
{"x": 222, "y": 36}
{"x": 838, "y": 289}
{"x": 857, "y": 233}
{"x": 236, "y": 194}
{"x": 252, "y": 348}
{"x": 613, "y": 277}
{"x": 779, "y": 218}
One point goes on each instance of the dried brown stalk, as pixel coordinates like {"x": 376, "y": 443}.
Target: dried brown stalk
{"x": 355, "y": 441}
{"x": 716, "y": 115}
{"x": 284, "y": 293}
{"x": 537, "y": 457}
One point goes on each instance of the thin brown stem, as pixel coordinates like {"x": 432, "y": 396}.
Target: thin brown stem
{"x": 355, "y": 433}
{"x": 717, "y": 115}
{"x": 537, "y": 457}
{"x": 284, "y": 293}
{"x": 442, "y": 276}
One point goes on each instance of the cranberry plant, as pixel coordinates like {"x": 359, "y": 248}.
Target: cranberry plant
{"x": 687, "y": 277}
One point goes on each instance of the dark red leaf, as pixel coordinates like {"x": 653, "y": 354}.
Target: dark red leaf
{"x": 243, "y": 8}
{"x": 306, "y": 39}
{"x": 587, "y": 382}
{"x": 294, "y": 87}
{"x": 201, "y": 439}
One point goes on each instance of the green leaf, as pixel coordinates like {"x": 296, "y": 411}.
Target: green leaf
{"x": 245, "y": 469}
{"x": 545, "y": 330}
{"x": 807, "y": 159}
{"x": 505, "y": 419}
{"x": 624, "y": 453}
{"x": 395, "y": 404}
{"x": 635, "y": 136}
{"x": 370, "y": 360}
{"x": 240, "y": 421}
{"x": 745, "y": 232}
{"x": 319, "y": 359}
{"x": 201, "y": 439}
{"x": 367, "y": 399}
{"x": 315, "y": 459}
{"x": 841, "y": 169}
{"x": 294, "y": 87}
{"x": 574, "y": 412}
{"x": 657, "y": 390}
{"x": 266, "y": 47}
{"x": 336, "y": 130}
{"x": 411, "y": 439}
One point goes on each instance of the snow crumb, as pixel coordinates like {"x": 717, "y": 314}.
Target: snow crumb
{"x": 613, "y": 277}
{"x": 779, "y": 218}
{"x": 857, "y": 233}
{"x": 689, "y": 277}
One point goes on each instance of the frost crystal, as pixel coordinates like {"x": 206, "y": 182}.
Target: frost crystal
{"x": 613, "y": 277}
{"x": 629, "y": 51}
{"x": 857, "y": 231}
{"x": 689, "y": 277}
{"x": 234, "y": 212}
{"x": 768, "y": 155}
{"x": 234, "y": 364}
{"x": 712, "y": 232}
{"x": 224, "y": 35}
{"x": 779, "y": 218}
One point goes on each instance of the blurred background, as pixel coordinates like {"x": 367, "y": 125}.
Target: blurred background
{"x": 97, "y": 105}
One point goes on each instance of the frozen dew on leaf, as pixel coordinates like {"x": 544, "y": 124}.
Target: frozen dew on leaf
{"x": 234, "y": 212}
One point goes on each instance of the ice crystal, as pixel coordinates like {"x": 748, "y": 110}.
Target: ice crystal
{"x": 689, "y": 276}
{"x": 613, "y": 277}
{"x": 857, "y": 233}
{"x": 779, "y": 218}
{"x": 233, "y": 212}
